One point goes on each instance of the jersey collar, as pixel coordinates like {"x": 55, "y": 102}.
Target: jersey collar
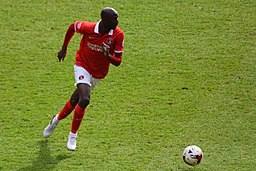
{"x": 96, "y": 29}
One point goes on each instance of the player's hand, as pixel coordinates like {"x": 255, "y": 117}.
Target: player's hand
{"x": 105, "y": 49}
{"x": 62, "y": 53}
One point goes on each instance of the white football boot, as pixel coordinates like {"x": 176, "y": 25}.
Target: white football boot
{"x": 71, "y": 144}
{"x": 51, "y": 126}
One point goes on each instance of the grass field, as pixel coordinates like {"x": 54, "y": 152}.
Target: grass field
{"x": 188, "y": 77}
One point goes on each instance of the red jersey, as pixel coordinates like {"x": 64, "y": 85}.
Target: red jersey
{"x": 90, "y": 54}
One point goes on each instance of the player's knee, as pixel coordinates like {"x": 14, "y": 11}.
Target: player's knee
{"x": 74, "y": 101}
{"x": 84, "y": 101}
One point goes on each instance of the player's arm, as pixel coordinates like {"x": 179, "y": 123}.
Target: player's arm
{"x": 116, "y": 58}
{"x": 69, "y": 34}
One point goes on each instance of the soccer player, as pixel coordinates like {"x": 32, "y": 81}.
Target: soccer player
{"x": 102, "y": 44}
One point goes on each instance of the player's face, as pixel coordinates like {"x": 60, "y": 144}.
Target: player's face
{"x": 114, "y": 22}
{"x": 111, "y": 22}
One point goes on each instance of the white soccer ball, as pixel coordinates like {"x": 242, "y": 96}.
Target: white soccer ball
{"x": 192, "y": 155}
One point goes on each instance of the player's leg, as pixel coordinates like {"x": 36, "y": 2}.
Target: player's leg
{"x": 84, "y": 100}
{"x": 83, "y": 90}
{"x": 83, "y": 79}
{"x": 74, "y": 98}
{"x": 69, "y": 106}
{"x": 85, "y": 84}
{"x": 66, "y": 110}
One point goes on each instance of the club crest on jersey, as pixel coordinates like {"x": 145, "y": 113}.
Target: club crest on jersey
{"x": 81, "y": 77}
{"x": 109, "y": 41}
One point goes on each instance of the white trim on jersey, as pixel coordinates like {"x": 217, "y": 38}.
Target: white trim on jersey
{"x": 96, "y": 29}
{"x": 75, "y": 26}
{"x": 111, "y": 32}
{"x": 118, "y": 51}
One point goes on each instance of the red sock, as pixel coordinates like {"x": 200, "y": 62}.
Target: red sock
{"x": 67, "y": 109}
{"x": 77, "y": 118}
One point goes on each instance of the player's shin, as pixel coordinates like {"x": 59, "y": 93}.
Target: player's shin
{"x": 67, "y": 109}
{"x": 77, "y": 118}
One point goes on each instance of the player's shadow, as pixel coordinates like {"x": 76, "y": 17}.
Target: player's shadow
{"x": 44, "y": 161}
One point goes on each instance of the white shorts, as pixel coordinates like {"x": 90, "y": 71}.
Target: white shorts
{"x": 83, "y": 76}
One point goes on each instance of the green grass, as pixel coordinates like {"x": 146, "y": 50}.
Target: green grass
{"x": 188, "y": 77}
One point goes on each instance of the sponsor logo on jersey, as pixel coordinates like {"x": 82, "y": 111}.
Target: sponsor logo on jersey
{"x": 94, "y": 47}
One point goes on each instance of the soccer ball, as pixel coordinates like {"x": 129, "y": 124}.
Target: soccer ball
{"x": 192, "y": 155}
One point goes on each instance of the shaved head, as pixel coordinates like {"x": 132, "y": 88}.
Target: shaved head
{"x": 108, "y": 12}
{"x": 109, "y": 18}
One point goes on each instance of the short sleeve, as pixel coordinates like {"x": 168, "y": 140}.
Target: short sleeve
{"x": 81, "y": 27}
{"x": 119, "y": 46}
